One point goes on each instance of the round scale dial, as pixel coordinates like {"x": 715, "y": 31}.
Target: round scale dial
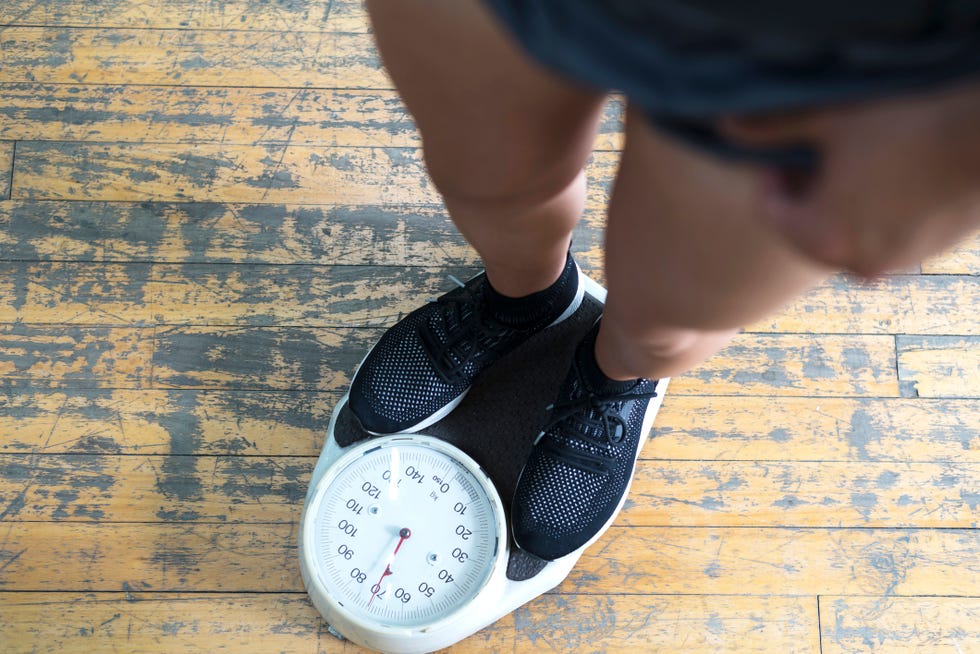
{"x": 405, "y": 531}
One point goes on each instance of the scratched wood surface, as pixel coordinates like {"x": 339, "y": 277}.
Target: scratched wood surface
{"x": 209, "y": 211}
{"x": 168, "y": 114}
{"x": 294, "y": 15}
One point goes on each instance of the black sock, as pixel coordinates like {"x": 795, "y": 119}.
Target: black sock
{"x": 537, "y": 309}
{"x": 592, "y": 375}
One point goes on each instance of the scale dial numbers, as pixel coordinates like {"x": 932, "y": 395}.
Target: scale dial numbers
{"x": 406, "y": 533}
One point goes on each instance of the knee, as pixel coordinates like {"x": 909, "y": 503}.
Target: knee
{"x": 513, "y": 177}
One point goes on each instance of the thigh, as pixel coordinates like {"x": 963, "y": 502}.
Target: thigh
{"x": 684, "y": 246}
{"x": 492, "y": 121}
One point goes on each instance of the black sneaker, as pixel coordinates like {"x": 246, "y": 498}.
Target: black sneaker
{"x": 581, "y": 466}
{"x": 422, "y": 367}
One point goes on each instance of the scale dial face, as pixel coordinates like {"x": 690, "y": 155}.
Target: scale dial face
{"x": 405, "y": 532}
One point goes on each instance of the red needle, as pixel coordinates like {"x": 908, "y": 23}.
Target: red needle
{"x": 403, "y": 534}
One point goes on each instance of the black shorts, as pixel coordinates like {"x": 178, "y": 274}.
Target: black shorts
{"x": 686, "y": 62}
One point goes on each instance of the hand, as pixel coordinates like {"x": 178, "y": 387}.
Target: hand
{"x": 899, "y": 178}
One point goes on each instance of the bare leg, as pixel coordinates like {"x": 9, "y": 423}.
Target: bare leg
{"x": 504, "y": 140}
{"x": 687, "y": 259}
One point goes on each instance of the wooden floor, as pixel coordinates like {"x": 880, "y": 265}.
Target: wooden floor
{"x": 209, "y": 210}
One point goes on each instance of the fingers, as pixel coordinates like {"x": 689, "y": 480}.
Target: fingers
{"x": 797, "y": 217}
{"x": 857, "y": 211}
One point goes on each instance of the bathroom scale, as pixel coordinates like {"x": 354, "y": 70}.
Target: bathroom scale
{"x": 404, "y": 541}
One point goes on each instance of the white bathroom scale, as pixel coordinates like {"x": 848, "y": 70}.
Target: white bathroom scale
{"x": 404, "y": 542}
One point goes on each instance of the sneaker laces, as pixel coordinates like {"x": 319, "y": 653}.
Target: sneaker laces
{"x": 595, "y": 419}
{"x": 469, "y": 338}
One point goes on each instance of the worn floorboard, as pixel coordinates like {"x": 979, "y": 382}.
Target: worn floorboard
{"x": 939, "y": 625}
{"x": 258, "y": 15}
{"x": 167, "y": 422}
{"x": 292, "y": 423}
{"x": 229, "y": 115}
{"x": 281, "y": 622}
{"x": 213, "y": 232}
{"x": 6, "y": 168}
{"x": 320, "y": 296}
{"x": 323, "y": 358}
{"x": 181, "y": 57}
{"x": 208, "y": 213}
{"x": 261, "y": 557}
{"x": 940, "y": 366}
{"x": 231, "y": 488}
{"x": 206, "y": 172}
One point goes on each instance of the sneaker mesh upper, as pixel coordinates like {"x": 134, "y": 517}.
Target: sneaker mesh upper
{"x": 397, "y": 382}
{"x": 430, "y": 358}
{"x": 580, "y": 468}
